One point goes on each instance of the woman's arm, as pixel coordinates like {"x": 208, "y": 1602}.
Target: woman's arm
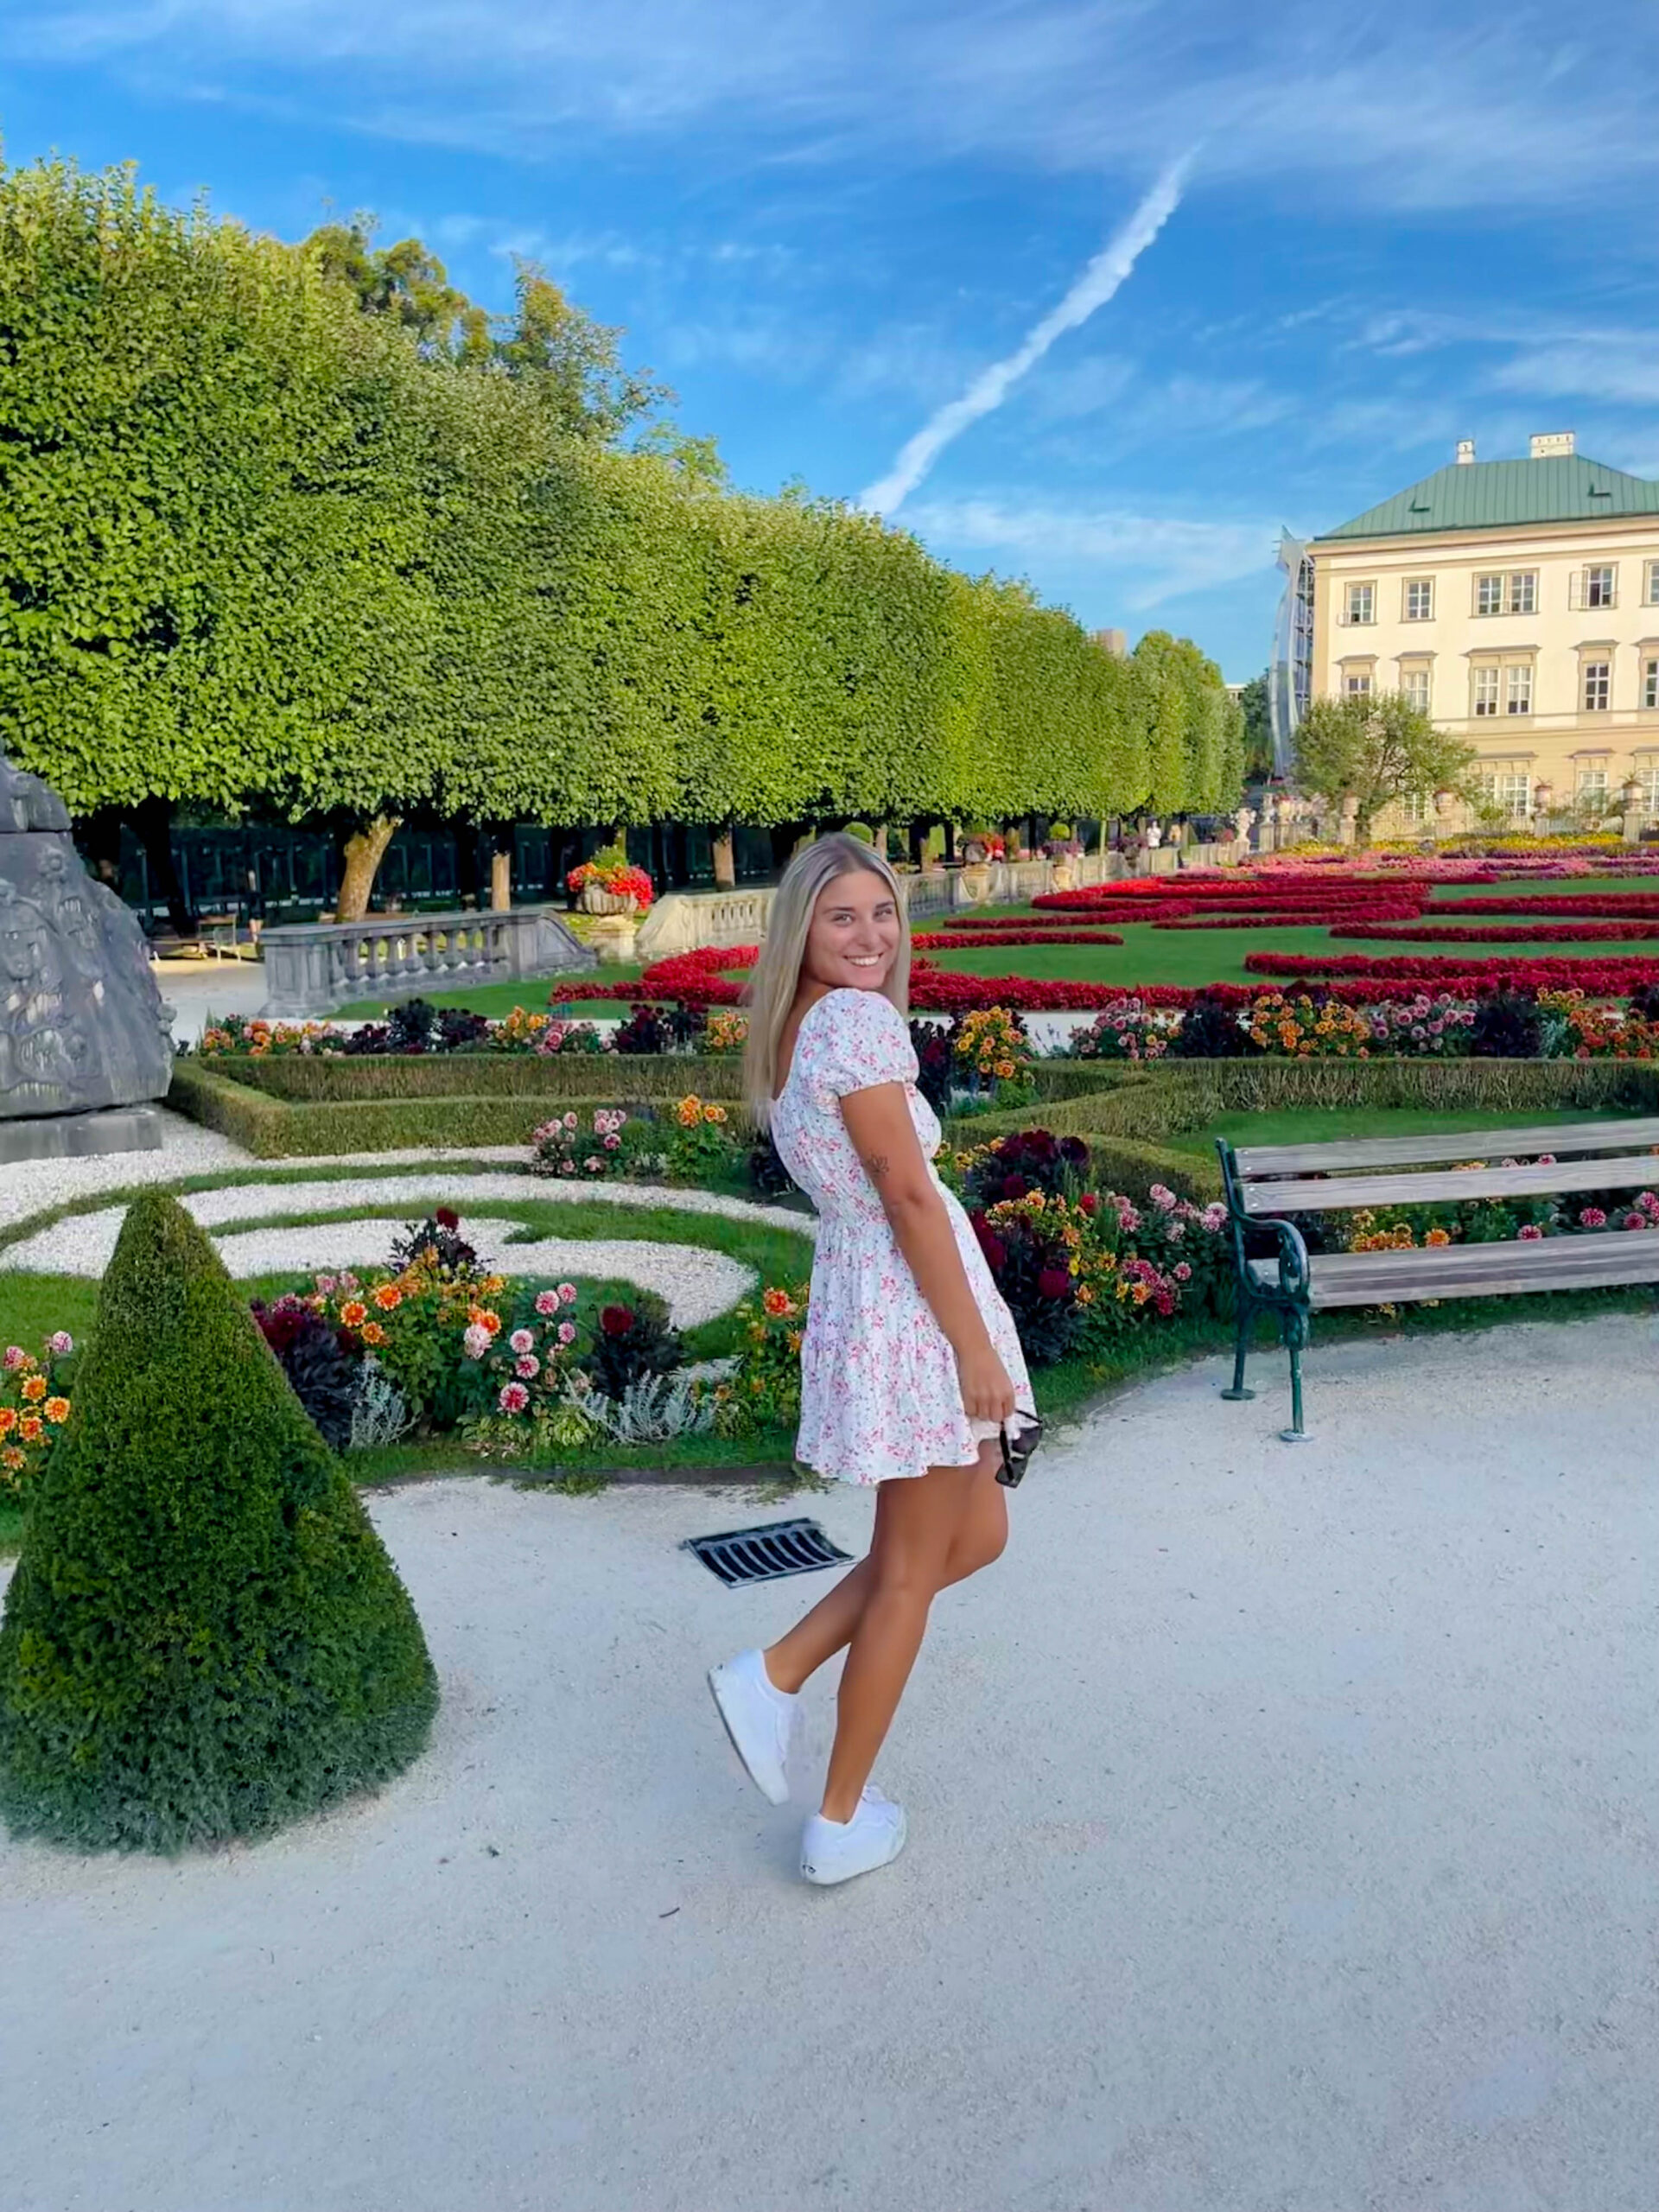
{"x": 878, "y": 1121}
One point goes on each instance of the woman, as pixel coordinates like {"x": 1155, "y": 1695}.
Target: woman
{"x": 911, "y": 1362}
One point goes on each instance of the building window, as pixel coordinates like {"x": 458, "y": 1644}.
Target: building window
{"x": 1599, "y": 586}
{"x": 1652, "y": 593}
{"x": 1485, "y": 691}
{"x": 1598, "y": 686}
{"x": 1593, "y": 784}
{"x": 1358, "y": 683}
{"x": 1650, "y": 682}
{"x": 1518, "y": 688}
{"x": 1415, "y": 809}
{"x": 1420, "y": 597}
{"x": 1504, "y": 789}
{"x": 1362, "y": 604}
{"x": 1414, "y": 682}
{"x": 1514, "y": 593}
{"x": 1647, "y": 783}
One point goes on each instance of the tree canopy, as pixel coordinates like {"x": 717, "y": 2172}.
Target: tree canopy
{"x": 302, "y": 529}
{"x": 1375, "y": 749}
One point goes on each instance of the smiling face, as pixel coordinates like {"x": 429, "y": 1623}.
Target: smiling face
{"x": 854, "y": 934}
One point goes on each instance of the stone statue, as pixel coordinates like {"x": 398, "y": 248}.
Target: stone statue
{"x": 82, "y": 1025}
{"x": 1155, "y": 836}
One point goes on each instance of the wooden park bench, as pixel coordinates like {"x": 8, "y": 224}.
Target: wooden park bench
{"x": 1265, "y": 1183}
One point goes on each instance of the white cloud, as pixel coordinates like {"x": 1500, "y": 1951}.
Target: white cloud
{"x": 1415, "y": 108}
{"x": 1621, "y": 367}
{"x": 1162, "y": 556}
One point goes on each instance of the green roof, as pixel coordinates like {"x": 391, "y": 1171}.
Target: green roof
{"x": 1497, "y": 494}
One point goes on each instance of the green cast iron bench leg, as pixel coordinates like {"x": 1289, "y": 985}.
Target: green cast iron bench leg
{"x": 1238, "y": 1393}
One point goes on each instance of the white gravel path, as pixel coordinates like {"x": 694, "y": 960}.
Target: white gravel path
{"x": 31, "y": 1186}
{"x": 1283, "y": 1840}
{"x": 699, "y": 1284}
{"x": 84, "y": 1244}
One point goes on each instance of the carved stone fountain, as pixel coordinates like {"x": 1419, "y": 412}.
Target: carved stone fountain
{"x": 84, "y": 1038}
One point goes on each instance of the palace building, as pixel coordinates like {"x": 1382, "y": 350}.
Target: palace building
{"x": 1517, "y": 603}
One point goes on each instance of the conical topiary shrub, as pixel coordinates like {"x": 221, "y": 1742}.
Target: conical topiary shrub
{"x": 204, "y": 1636}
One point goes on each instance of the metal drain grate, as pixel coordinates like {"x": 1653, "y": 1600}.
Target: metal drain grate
{"x": 763, "y": 1554}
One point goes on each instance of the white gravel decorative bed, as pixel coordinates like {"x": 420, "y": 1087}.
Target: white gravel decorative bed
{"x": 699, "y": 1284}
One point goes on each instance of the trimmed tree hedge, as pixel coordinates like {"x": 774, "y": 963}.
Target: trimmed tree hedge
{"x": 204, "y": 1637}
{"x": 261, "y": 550}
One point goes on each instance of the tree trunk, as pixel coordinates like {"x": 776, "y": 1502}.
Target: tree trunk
{"x": 724, "y": 845}
{"x": 501, "y": 881}
{"x": 365, "y": 849}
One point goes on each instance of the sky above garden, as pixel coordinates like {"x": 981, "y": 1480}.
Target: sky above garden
{"x": 1102, "y": 294}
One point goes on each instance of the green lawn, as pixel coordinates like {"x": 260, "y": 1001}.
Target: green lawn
{"x": 497, "y": 999}
{"x": 1327, "y": 1125}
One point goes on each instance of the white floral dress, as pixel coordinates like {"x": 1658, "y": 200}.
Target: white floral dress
{"x": 880, "y": 1393}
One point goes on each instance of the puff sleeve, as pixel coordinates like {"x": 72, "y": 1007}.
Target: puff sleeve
{"x": 866, "y": 1042}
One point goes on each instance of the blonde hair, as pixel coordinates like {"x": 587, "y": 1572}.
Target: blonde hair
{"x": 777, "y": 976}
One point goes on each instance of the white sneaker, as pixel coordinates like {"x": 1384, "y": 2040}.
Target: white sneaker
{"x": 834, "y": 1851}
{"x": 759, "y": 1718}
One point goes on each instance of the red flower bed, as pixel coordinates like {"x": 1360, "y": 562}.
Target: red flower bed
{"x": 1600, "y": 978}
{"x": 1628, "y": 906}
{"x": 949, "y": 941}
{"x": 1300, "y": 917}
{"x": 1497, "y": 933}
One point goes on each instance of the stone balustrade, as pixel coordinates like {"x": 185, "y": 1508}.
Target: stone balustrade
{"x": 313, "y": 968}
{"x": 685, "y": 921}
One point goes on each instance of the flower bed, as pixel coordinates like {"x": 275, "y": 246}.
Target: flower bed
{"x": 1079, "y": 1265}
{"x": 1410, "y": 932}
{"x": 1297, "y": 917}
{"x": 1600, "y": 978}
{"x": 952, "y": 941}
{"x": 34, "y": 1406}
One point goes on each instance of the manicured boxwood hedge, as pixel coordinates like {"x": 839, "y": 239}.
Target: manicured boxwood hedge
{"x": 272, "y": 1128}
{"x": 205, "y": 1637}
{"x": 603, "y": 1076}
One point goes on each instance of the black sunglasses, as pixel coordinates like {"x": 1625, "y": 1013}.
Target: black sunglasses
{"x": 1017, "y": 1449}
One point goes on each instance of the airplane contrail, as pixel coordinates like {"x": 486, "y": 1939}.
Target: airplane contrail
{"x": 1105, "y": 273}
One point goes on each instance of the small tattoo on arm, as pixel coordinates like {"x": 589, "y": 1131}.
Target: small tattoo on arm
{"x": 876, "y": 1166}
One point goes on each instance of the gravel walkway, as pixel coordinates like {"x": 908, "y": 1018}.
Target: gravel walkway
{"x": 84, "y": 1244}
{"x": 699, "y": 1284}
{"x": 31, "y": 1186}
{"x": 1283, "y": 1839}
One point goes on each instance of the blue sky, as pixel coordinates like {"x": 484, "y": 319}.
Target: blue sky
{"x": 1399, "y": 226}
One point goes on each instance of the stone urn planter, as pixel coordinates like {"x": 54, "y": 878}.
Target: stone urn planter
{"x": 1066, "y": 876}
{"x": 594, "y": 899}
{"x": 614, "y": 935}
{"x": 975, "y": 882}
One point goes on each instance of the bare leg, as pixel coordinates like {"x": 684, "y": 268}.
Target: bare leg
{"x": 917, "y": 1523}
{"x": 981, "y": 1534}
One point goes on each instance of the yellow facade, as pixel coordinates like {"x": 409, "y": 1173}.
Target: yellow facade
{"x": 1536, "y": 643}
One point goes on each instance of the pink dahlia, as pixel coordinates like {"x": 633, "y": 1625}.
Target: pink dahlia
{"x": 514, "y": 1398}
{"x": 547, "y": 1301}
{"x": 523, "y": 1340}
